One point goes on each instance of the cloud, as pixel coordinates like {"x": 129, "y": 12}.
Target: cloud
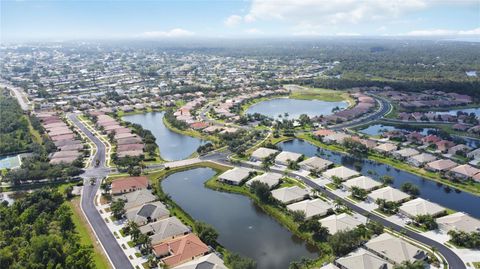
{"x": 233, "y": 20}
{"x": 173, "y": 33}
{"x": 253, "y": 31}
{"x": 443, "y": 32}
{"x": 332, "y": 12}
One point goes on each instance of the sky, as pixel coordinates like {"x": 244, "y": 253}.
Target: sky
{"x": 55, "y": 20}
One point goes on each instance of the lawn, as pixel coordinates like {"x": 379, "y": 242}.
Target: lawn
{"x": 86, "y": 235}
{"x": 328, "y": 95}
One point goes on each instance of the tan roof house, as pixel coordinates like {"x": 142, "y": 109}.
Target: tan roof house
{"x": 285, "y": 156}
{"x": 394, "y": 249}
{"x": 385, "y": 148}
{"x": 341, "y": 222}
{"x": 458, "y": 221}
{"x": 362, "y": 182}
{"x": 210, "y": 261}
{"x": 421, "y": 159}
{"x": 290, "y": 195}
{"x": 164, "y": 230}
{"x": 440, "y": 165}
{"x": 269, "y": 178}
{"x": 315, "y": 163}
{"x": 362, "y": 259}
{"x": 405, "y": 153}
{"x": 262, "y": 153}
{"x": 311, "y": 208}
{"x": 235, "y": 176}
{"x": 419, "y": 206}
{"x": 129, "y": 184}
{"x": 388, "y": 194}
{"x": 341, "y": 172}
{"x": 147, "y": 213}
{"x": 464, "y": 171}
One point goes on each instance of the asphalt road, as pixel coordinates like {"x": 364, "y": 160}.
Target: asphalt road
{"x": 19, "y": 94}
{"x": 108, "y": 241}
{"x": 453, "y": 260}
{"x": 384, "y": 108}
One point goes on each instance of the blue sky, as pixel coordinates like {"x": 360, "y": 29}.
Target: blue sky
{"x": 69, "y": 19}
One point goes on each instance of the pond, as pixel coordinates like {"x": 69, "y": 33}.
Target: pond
{"x": 294, "y": 107}
{"x": 429, "y": 190}
{"x": 377, "y": 129}
{"x": 243, "y": 228}
{"x": 173, "y": 146}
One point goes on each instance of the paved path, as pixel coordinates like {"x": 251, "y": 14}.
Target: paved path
{"x": 20, "y": 95}
{"x": 108, "y": 241}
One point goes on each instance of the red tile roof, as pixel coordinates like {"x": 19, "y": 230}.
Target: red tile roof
{"x": 128, "y": 184}
{"x": 181, "y": 249}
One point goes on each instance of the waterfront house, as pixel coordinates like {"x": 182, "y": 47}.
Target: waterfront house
{"x": 419, "y": 206}
{"x": 442, "y": 165}
{"x": 341, "y": 222}
{"x": 165, "y": 229}
{"x": 362, "y": 182}
{"x": 404, "y": 153}
{"x": 421, "y": 159}
{"x": 129, "y": 184}
{"x": 362, "y": 259}
{"x": 288, "y": 195}
{"x": 458, "y": 221}
{"x": 311, "y": 208}
{"x": 394, "y": 249}
{"x": 235, "y": 176}
{"x": 315, "y": 163}
{"x": 180, "y": 250}
{"x": 388, "y": 194}
{"x": 335, "y": 138}
{"x": 463, "y": 172}
{"x": 149, "y": 212}
{"x": 136, "y": 198}
{"x": 210, "y": 261}
{"x": 262, "y": 153}
{"x": 284, "y": 157}
{"x": 341, "y": 172}
{"x": 385, "y": 148}
{"x": 269, "y": 178}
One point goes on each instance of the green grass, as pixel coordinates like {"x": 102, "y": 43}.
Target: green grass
{"x": 86, "y": 238}
{"x": 476, "y": 264}
{"x": 191, "y": 132}
{"x": 329, "y": 95}
{"x": 289, "y": 182}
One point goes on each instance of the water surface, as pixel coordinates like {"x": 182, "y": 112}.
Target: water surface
{"x": 294, "y": 107}
{"x": 243, "y": 228}
{"x": 173, "y": 146}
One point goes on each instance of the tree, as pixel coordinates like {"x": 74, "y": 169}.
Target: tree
{"x": 262, "y": 191}
{"x": 359, "y": 193}
{"x": 410, "y": 265}
{"x": 386, "y": 180}
{"x": 298, "y": 215}
{"x": 355, "y": 148}
{"x": 426, "y": 221}
{"x": 337, "y": 181}
{"x": 410, "y": 189}
{"x": 388, "y": 207}
{"x": 206, "y": 233}
{"x": 376, "y": 227}
{"x": 118, "y": 208}
{"x": 235, "y": 261}
{"x": 464, "y": 239}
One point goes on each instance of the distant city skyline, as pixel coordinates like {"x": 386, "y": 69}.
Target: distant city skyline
{"x": 67, "y": 20}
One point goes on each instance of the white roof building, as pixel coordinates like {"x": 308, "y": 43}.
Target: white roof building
{"x": 235, "y": 176}
{"x": 164, "y": 229}
{"x": 290, "y": 195}
{"x": 269, "y": 178}
{"x": 405, "y": 153}
{"x": 389, "y": 194}
{"x": 341, "y": 222}
{"x": 285, "y": 156}
{"x": 210, "y": 261}
{"x": 362, "y": 259}
{"x": 362, "y": 182}
{"x": 315, "y": 163}
{"x": 459, "y": 221}
{"x": 421, "y": 159}
{"x": 394, "y": 249}
{"x": 341, "y": 172}
{"x": 262, "y": 153}
{"x": 386, "y": 147}
{"x": 316, "y": 207}
{"x": 419, "y": 206}
{"x": 136, "y": 198}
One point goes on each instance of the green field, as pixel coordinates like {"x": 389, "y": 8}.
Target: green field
{"x": 328, "y": 95}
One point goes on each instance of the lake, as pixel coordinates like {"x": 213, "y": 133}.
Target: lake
{"x": 377, "y": 129}
{"x": 173, "y": 146}
{"x": 294, "y": 107}
{"x": 430, "y": 190}
{"x": 243, "y": 227}
{"x": 475, "y": 110}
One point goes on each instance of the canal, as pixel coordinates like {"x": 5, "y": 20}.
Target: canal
{"x": 243, "y": 227}
{"x": 276, "y": 107}
{"x": 430, "y": 190}
{"x": 173, "y": 146}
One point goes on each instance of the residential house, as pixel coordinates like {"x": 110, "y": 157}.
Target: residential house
{"x": 315, "y": 164}
{"x": 362, "y": 182}
{"x": 311, "y": 208}
{"x": 405, "y": 153}
{"x": 284, "y": 157}
{"x": 463, "y": 172}
{"x": 129, "y": 184}
{"x": 421, "y": 159}
{"x": 419, "y": 206}
{"x": 385, "y": 148}
{"x": 180, "y": 250}
{"x": 261, "y": 153}
{"x": 388, "y": 194}
{"x": 340, "y": 172}
{"x": 440, "y": 165}
{"x": 136, "y": 198}
{"x": 288, "y": 195}
{"x": 149, "y": 212}
{"x": 269, "y": 178}
{"x": 235, "y": 176}
{"x": 341, "y": 222}
{"x": 210, "y": 261}
{"x": 458, "y": 221}
{"x": 394, "y": 249}
{"x": 362, "y": 259}
{"x": 165, "y": 229}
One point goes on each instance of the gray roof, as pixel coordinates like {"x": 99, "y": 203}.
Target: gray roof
{"x": 262, "y": 153}
{"x": 269, "y": 178}
{"x": 164, "y": 229}
{"x": 395, "y": 249}
{"x": 289, "y": 194}
{"x": 147, "y": 212}
{"x": 236, "y": 174}
{"x": 317, "y": 163}
{"x": 459, "y": 221}
{"x": 210, "y": 261}
{"x": 284, "y": 156}
{"x": 362, "y": 259}
{"x": 136, "y": 198}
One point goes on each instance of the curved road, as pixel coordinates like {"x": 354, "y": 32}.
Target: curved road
{"x": 113, "y": 250}
{"x": 384, "y": 108}
{"x": 452, "y": 259}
